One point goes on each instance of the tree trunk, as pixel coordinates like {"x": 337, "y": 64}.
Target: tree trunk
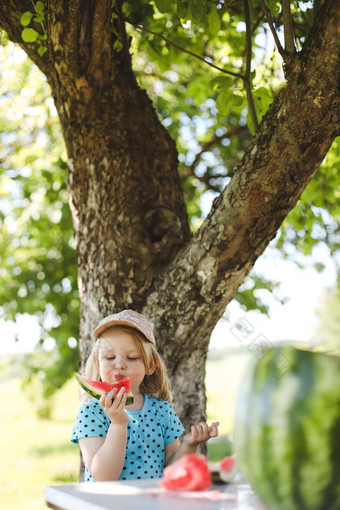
{"x": 127, "y": 204}
{"x": 133, "y": 243}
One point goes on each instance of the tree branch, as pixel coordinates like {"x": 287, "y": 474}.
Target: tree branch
{"x": 317, "y": 5}
{"x": 247, "y": 80}
{"x": 290, "y": 144}
{"x": 202, "y": 59}
{"x": 122, "y": 30}
{"x": 269, "y": 20}
{"x": 288, "y": 27}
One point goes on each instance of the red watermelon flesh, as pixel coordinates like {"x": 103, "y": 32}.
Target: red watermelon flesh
{"x": 188, "y": 473}
{"x": 228, "y": 468}
{"x": 97, "y": 388}
{"x": 224, "y": 470}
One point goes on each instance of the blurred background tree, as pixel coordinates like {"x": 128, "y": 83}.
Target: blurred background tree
{"x": 328, "y": 332}
{"x": 37, "y": 247}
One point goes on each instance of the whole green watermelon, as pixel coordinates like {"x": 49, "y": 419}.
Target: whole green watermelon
{"x": 287, "y": 429}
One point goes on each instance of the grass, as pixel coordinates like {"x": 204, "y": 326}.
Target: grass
{"x": 223, "y": 376}
{"x": 34, "y": 452}
{"x": 37, "y": 452}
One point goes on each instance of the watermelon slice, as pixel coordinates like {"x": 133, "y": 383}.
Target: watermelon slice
{"x": 97, "y": 388}
{"x": 228, "y": 468}
{"x": 223, "y": 471}
{"x": 188, "y": 473}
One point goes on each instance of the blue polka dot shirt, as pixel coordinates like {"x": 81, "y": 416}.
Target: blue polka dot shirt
{"x": 148, "y": 431}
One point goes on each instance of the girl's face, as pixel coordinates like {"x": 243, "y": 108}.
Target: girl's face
{"x": 120, "y": 357}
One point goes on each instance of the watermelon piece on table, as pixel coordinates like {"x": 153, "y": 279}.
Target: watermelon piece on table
{"x": 228, "y": 468}
{"x": 188, "y": 473}
{"x": 223, "y": 471}
{"x": 97, "y": 388}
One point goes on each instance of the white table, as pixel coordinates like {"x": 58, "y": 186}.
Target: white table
{"x": 147, "y": 495}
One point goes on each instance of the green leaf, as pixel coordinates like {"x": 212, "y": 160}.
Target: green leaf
{"x": 26, "y": 18}
{"x": 29, "y": 35}
{"x": 42, "y": 50}
{"x": 222, "y": 82}
{"x": 198, "y": 10}
{"x": 262, "y": 99}
{"x": 164, "y": 5}
{"x": 39, "y": 8}
{"x": 38, "y": 19}
{"x": 274, "y": 7}
{"x": 214, "y": 22}
{"x": 183, "y": 9}
{"x": 118, "y": 45}
{"x": 237, "y": 100}
{"x": 223, "y": 102}
{"x": 126, "y": 8}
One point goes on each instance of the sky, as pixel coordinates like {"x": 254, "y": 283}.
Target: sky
{"x": 296, "y": 320}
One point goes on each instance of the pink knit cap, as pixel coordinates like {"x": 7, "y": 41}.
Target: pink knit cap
{"x": 126, "y": 318}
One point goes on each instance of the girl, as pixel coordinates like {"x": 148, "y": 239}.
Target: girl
{"x": 135, "y": 442}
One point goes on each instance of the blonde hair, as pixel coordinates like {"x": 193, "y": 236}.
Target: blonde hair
{"x": 155, "y": 385}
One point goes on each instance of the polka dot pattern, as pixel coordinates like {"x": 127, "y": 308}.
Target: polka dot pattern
{"x": 149, "y": 430}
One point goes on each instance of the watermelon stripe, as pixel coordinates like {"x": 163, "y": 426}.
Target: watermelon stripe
{"x": 279, "y": 478}
{"x": 262, "y": 437}
{"x": 316, "y": 425}
{"x": 243, "y": 428}
{"x": 296, "y": 415}
{"x": 332, "y": 491}
{"x": 332, "y": 436}
{"x": 287, "y": 429}
{"x": 269, "y": 471}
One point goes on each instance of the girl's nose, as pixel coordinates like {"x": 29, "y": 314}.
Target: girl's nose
{"x": 120, "y": 362}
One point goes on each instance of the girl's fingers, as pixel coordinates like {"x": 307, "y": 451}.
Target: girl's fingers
{"x": 203, "y": 430}
{"x": 110, "y": 397}
{"x": 213, "y": 430}
{"x": 103, "y": 399}
{"x": 115, "y": 398}
{"x": 194, "y": 433}
{"x": 121, "y": 398}
{"x": 114, "y": 403}
{"x": 106, "y": 399}
{"x": 199, "y": 433}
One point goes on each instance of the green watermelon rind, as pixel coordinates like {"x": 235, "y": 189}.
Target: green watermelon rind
{"x": 287, "y": 427}
{"x": 97, "y": 394}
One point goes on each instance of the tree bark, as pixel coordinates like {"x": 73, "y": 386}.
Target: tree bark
{"x": 133, "y": 242}
{"x": 127, "y": 204}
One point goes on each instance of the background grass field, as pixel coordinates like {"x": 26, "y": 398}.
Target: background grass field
{"x": 37, "y": 452}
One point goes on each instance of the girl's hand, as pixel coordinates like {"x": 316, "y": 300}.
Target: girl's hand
{"x": 114, "y": 406}
{"x": 201, "y": 433}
